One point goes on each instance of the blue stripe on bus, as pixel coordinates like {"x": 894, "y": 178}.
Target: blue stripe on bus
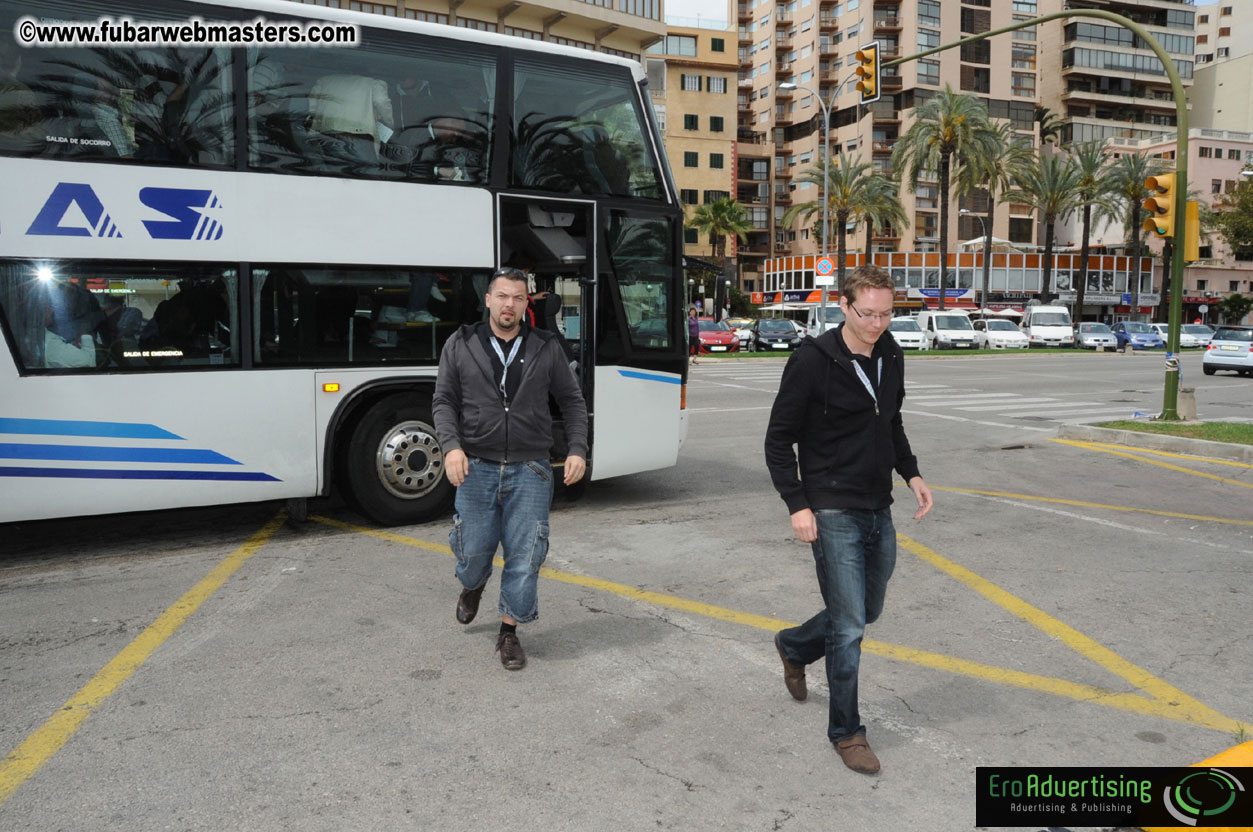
{"x": 60, "y": 427}
{"x": 120, "y": 474}
{"x": 93, "y": 453}
{"x": 649, "y": 376}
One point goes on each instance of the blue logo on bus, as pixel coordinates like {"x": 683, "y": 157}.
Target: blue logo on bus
{"x": 66, "y": 195}
{"x": 181, "y": 204}
{"x": 74, "y": 210}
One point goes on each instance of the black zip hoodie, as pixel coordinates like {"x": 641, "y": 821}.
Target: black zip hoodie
{"x": 847, "y": 443}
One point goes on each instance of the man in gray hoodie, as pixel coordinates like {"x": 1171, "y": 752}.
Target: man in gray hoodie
{"x": 494, "y": 424}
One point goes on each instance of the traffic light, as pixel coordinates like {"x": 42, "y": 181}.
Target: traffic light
{"x": 1192, "y": 236}
{"x": 1161, "y": 205}
{"x": 868, "y": 72}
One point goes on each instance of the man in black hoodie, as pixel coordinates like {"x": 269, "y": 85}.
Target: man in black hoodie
{"x": 839, "y": 403}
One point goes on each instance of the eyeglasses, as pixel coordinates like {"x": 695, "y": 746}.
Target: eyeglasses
{"x": 874, "y": 316}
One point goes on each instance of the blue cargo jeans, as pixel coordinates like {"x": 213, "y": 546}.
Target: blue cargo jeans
{"x": 855, "y": 554}
{"x": 504, "y": 504}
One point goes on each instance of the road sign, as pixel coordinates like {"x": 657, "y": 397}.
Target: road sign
{"x": 824, "y": 280}
{"x": 825, "y": 266}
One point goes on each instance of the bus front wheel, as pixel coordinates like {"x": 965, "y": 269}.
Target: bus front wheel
{"x": 394, "y": 468}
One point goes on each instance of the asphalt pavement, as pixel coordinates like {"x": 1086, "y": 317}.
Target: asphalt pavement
{"x": 1066, "y": 603}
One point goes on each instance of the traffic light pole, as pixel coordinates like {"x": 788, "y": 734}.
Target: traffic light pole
{"x": 1170, "y": 396}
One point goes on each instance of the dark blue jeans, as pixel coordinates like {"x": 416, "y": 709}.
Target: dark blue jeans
{"x": 504, "y": 504}
{"x": 855, "y": 554}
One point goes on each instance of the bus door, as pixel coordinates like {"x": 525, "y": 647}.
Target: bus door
{"x": 554, "y": 239}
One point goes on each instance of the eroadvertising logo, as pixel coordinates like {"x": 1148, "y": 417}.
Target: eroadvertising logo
{"x": 1113, "y": 796}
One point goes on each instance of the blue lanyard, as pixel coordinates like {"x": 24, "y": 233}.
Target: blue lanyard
{"x": 513, "y": 352}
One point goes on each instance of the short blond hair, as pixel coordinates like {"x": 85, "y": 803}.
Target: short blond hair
{"x": 868, "y": 276}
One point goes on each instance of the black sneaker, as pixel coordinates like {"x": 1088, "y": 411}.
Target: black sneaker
{"x": 510, "y": 649}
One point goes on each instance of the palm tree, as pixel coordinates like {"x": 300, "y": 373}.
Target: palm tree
{"x": 996, "y": 166}
{"x": 945, "y": 125}
{"x": 1050, "y": 125}
{"x": 1128, "y": 177}
{"x": 856, "y": 192}
{"x": 720, "y": 219}
{"x": 1096, "y": 189}
{"x": 1051, "y": 186}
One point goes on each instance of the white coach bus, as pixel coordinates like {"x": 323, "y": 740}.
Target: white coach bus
{"x": 226, "y": 274}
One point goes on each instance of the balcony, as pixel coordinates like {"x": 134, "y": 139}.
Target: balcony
{"x": 745, "y": 12}
{"x": 886, "y": 234}
{"x": 885, "y": 115}
{"x": 828, "y": 49}
{"x": 887, "y": 24}
{"x": 784, "y": 93}
{"x": 784, "y": 197}
{"x": 783, "y": 173}
{"x": 885, "y": 146}
{"x": 828, "y": 74}
{"x": 827, "y": 23}
{"x": 891, "y": 83}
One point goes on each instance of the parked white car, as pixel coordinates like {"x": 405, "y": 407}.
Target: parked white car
{"x": 997, "y": 334}
{"x": 947, "y": 329}
{"x": 907, "y": 333}
{"x": 1190, "y": 335}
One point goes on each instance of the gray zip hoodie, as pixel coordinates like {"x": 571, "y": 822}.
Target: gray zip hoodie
{"x": 470, "y": 412}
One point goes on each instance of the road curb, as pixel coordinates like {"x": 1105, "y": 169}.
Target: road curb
{"x": 1158, "y": 442}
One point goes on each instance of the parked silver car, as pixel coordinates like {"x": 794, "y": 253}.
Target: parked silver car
{"x": 1094, "y": 336}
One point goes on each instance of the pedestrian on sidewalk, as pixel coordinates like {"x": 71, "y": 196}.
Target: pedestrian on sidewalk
{"x": 494, "y": 425}
{"x": 839, "y": 403}
{"x": 693, "y": 333}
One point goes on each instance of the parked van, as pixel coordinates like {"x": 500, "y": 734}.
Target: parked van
{"x": 947, "y": 329}
{"x": 1048, "y": 326}
{"x": 835, "y": 317}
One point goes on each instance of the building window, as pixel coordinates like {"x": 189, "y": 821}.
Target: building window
{"x": 715, "y": 124}
{"x": 373, "y": 8}
{"x": 688, "y": 196}
{"x": 718, "y": 45}
{"x": 691, "y": 236}
{"x": 979, "y": 52}
{"x": 1216, "y": 186}
{"x": 1201, "y": 285}
{"x": 717, "y": 84}
{"x": 1232, "y": 153}
{"x": 976, "y": 21}
{"x": 1205, "y": 152}
{"x": 929, "y": 72}
{"x": 1223, "y": 51}
{"x": 1224, "y": 32}
{"x": 691, "y": 159}
{"x": 714, "y": 196}
{"x": 1020, "y": 229}
{"x": 929, "y": 13}
{"x": 1024, "y": 85}
{"x": 976, "y": 79}
{"x": 928, "y": 39}
{"x": 715, "y": 161}
{"x": 691, "y": 121}
{"x": 689, "y": 83}
{"x": 1226, "y": 11}
{"x": 1203, "y": 19}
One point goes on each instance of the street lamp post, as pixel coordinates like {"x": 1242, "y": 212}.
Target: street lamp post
{"x": 987, "y": 253}
{"x": 826, "y": 186}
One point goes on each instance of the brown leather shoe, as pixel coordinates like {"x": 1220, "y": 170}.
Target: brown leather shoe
{"x": 856, "y": 754}
{"x": 510, "y": 649}
{"x": 468, "y": 604}
{"x": 793, "y": 675}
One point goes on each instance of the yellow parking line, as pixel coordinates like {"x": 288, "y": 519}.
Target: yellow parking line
{"x": 1167, "y": 702}
{"x": 1105, "y": 450}
{"x": 1190, "y": 457}
{"x": 1083, "y": 504}
{"x": 1187, "y": 708}
{"x": 23, "y": 761}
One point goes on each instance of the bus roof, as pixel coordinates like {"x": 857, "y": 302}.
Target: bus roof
{"x": 292, "y": 8}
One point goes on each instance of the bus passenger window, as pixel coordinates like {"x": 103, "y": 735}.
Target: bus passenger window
{"x": 20, "y": 114}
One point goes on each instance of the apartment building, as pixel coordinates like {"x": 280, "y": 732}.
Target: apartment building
{"x": 691, "y": 77}
{"x": 812, "y": 43}
{"x": 616, "y": 27}
{"x": 1222, "y": 95}
{"x": 1103, "y": 80}
{"x": 1223, "y": 31}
